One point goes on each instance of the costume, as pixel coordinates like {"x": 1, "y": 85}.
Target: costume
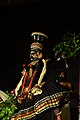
{"x": 3, "y": 96}
{"x": 39, "y": 95}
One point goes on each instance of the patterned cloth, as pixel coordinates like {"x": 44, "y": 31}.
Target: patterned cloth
{"x": 43, "y": 102}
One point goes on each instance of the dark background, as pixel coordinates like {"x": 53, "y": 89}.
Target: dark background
{"x": 18, "y": 19}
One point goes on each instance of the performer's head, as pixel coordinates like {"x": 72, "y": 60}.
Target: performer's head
{"x": 37, "y": 47}
{"x": 62, "y": 76}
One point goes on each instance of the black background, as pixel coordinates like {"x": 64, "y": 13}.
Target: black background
{"x": 18, "y": 21}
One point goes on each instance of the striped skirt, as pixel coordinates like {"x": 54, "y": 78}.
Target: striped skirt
{"x": 53, "y": 96}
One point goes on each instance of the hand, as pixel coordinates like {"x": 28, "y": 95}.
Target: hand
{"x": 13, "y": 91}
{"x": 36, "y": 90}
{"x": 36, "y": 87}
{"x": 23, "y": 72}
{"x": 56, "y": 111}
{"x": 30, "y": 96}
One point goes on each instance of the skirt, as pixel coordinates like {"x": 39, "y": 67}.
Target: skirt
{"x": 53, "y": 96}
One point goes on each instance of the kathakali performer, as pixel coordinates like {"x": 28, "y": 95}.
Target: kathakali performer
{"x": 37, "y": 92}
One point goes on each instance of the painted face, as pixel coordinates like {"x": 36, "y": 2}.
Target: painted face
{"x": 35, "y": 55}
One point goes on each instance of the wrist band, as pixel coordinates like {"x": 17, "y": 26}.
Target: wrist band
{"x": 59, "y": 113}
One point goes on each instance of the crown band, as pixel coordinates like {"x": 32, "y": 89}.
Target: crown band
{"x": 36, "y": 45}
{"x": 39, "y": 33}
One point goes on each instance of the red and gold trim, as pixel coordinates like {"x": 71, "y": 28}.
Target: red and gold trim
{"x": 40, "y": 106}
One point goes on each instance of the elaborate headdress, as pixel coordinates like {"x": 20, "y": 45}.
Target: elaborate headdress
{"x": 38, "y": 39}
